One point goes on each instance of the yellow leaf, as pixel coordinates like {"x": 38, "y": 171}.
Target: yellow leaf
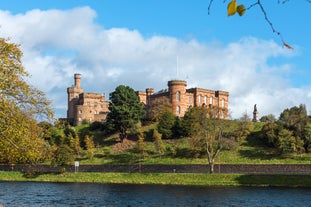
{"x": 241, "y": 9}
{"x": 232, "y": 8}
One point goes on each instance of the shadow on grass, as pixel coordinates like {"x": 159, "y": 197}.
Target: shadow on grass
{"x": 275, "y": 180}
{"x": 258, "y": 154}
{"x": 123, "y": 158}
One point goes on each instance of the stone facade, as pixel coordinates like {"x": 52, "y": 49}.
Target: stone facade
{"x": 85, "y": 107}
{"x": 182, "y": 98}
{"x": 89, "y": 107}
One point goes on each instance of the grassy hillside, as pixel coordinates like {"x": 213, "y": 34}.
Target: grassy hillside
{"x": 178, "y": 151}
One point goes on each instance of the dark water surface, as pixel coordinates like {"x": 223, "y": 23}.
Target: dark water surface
{"x": 86, "y": 194}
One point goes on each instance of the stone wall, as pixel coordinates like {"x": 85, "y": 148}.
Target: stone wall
{"x": 223, "y": 168}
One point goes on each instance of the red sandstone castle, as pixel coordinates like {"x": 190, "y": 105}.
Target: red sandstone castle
{"x": 92, "y": 107}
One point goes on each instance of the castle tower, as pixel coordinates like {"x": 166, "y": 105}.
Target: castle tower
{"x": 255, "y": 114}
{"x": 177, "y": 94}
{"x": 149, "y": 93}
{"x": 73, "y": 97}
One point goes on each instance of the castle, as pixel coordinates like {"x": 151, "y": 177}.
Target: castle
{"x": 92, "y": 107}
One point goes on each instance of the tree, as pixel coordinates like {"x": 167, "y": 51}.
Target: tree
{"x": 205, "y": 129}
{"x": 90, "y": 146}
{"x": 157, "y": 107}
{"x": 245, "y": 127}
{"x": 307, "y": 137}
{"x": 166, "y": 123}
{"x": 287, "y": 143}
{"x": 158, "y": 143}
{"x": 268, "y": 118}
{"x": 125, "y": 110}
{"x": 20, "y": 106}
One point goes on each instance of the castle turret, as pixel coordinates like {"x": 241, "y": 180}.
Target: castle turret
{"x": 73, "y": 97}
{"x": 77, "y": 80}
{"x": 177, "y": 91}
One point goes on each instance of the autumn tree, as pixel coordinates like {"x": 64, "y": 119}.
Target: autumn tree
{"x": 20, "y": 106}
{"x": 90, "y": 146}
{"x": 125, "y": 110}
{"x": 157, "y": 107}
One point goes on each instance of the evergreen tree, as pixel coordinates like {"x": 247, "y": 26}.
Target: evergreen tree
{"x": 125, "y": 110}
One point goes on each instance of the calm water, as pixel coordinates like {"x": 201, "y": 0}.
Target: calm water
{"x": 81, "y": 194}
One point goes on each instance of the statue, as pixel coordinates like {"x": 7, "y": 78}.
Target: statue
{"x": 255, "y": 114}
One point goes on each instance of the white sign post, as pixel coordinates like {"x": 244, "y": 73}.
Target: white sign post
{"x": 76, "y": 166}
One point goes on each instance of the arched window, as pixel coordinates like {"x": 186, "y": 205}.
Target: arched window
{"x": 178, "y": 96}
{"x": 205, "y": 99}
{"x": 199, "y": 99}
{"x": 211, "y": 100}
{"x": 178, "y": 110}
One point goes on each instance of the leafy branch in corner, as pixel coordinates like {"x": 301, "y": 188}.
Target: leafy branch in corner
{"x": 233, "y": 8}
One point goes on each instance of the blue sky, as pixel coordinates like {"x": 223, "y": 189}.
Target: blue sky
{"x": 137, "y": 43}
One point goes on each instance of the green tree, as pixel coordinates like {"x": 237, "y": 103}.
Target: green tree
{"x": 268, "y": 118}
{"x": 125, "y": 110}
{"x": 269, "y": 134}
{"x": 307, "y": 137}
{"x": 141, "y": 145}
{"x": 63, "y": 155}
{"x": 287, "y": 143}
{"x": 158, "y": 143}
{"x": 206, "y": 129}
{"x": 166, "y": 123}
{"x": 90, "y": 146}
{"x": 295, "y": 119}
{"x": 192, "y": 120}
{"x": 20, "y": 106}
{"x": 245, "y": 127}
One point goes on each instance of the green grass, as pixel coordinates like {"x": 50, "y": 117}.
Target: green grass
{"x": 166, "y": 179}
{"x": 178, "y": 151}
{"x": 245, "y": 153}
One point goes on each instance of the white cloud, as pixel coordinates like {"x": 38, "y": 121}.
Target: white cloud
{"x": 57, "y": 44}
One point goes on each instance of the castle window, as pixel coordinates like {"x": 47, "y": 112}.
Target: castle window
{"x": 95, "y": 104}
{"x": 95, "y": 112}
{"x": 80, "y": 119}
{"x": 178, "y": 96}
{"x": 205, "y": 99}
{"x": 211, "y": 100}
{"x": 90, "y": 112}
{"x": 199, "y": 99}
{"x": 222, "y": 103}
{"x": 80, "y": 111}
{"x": 178, "y": 110}
{"x": 222, "y": 114}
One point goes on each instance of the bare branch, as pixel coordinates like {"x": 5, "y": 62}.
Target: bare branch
{"x": 209, "y": 6}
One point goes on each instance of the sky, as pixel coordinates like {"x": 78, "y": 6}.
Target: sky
{"x": 146, "y": 43}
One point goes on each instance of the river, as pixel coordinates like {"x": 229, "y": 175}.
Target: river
{"x": 13, "y": 194}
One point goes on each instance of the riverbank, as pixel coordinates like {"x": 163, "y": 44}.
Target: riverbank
{"x": 164, "y": 179}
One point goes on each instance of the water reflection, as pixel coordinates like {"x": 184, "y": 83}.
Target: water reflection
{"x": 86, "y": 194}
